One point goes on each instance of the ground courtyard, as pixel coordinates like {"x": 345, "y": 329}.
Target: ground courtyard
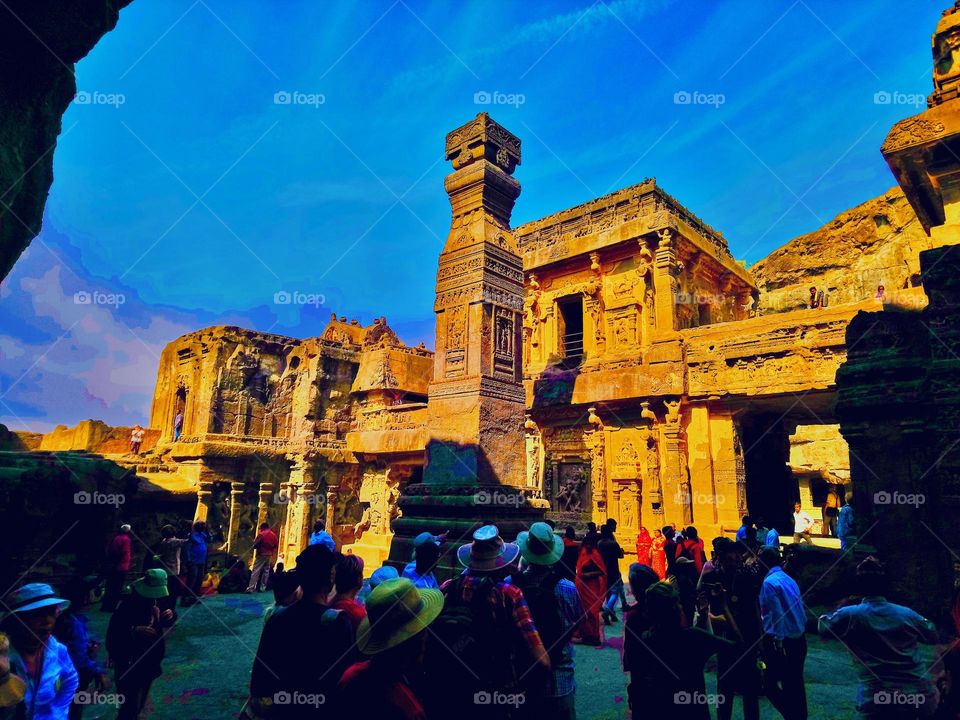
{"x": 210, "y": 653}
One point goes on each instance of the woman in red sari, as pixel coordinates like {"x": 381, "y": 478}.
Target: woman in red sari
{"x": 658, "y": 558}
{"x": 592, "y": 585}
{"x": 644, "y": 543}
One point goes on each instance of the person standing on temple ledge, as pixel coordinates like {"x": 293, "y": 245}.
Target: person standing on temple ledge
{"x": 802, "y": 523}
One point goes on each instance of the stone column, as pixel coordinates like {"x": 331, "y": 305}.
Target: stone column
{"x": 729, "y": 479}
{"x": 298, "y": 489}
{"x": 204, "y": 500}
{"x": 677, "y": 493}
{"x": 265, "y": 496}
{"x": 666, "y": 284}
{"x": 595, "y": 442}
{"x": 474, "y": 450}
{"x": 236, "y": 508}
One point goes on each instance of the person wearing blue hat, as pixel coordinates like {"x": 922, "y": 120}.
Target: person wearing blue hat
{"x": 36, "y": 656}
{"x": 379, "y": 576}
{"x": 426, "y": 553}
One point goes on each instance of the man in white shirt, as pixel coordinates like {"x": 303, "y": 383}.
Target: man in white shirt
{"x": 801, "y": 525}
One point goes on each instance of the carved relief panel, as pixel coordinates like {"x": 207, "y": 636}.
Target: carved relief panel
{"x": 456, "y": 340}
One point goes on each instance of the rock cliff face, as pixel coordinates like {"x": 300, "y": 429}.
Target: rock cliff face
{"x": 40, "y": 41}
{"x": 875, "y": 243}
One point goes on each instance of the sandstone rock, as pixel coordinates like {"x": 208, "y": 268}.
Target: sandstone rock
{"x": 875, "y": 243}
{"x": 40, "y": 41}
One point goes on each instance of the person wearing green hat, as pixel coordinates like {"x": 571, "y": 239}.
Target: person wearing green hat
{"x": 135, "y": 641}
{"x": 393, "y": 639}
{"x": 47, "y": 676}
{"x": 556, "y": 608}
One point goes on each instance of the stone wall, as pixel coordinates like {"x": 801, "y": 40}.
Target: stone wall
{"x": 875, "y": 243}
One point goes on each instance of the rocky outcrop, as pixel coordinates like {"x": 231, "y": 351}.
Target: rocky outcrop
{"x": 875, "y": 243}
{"x": 40, "y": 41}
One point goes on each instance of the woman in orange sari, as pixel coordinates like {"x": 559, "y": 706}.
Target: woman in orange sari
{"x": 658, "y": 558}
{"x": 644, "y": 543}
{"x": 592, "y": 585}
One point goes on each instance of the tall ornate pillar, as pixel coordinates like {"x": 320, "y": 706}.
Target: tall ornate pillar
{"x": 595, "y": 342}
{"x": 666, "y": 281}
{"x": 679, "y": 492}
{"x": 300, "y": 491}
{"x": 265, "y": 496}
{"x": 236, "y": 509}
{"x": 476, "y": 399}
{"x": 534, "y": 451}
{"x": 645, "y": 293}
{"x": 598, "y": 477}
{"x": 652, "y": 484}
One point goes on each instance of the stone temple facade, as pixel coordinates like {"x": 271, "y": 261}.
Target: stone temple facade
{"x": 604, "y": 361}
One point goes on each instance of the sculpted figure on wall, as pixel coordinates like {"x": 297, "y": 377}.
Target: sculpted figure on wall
{"x": 570, "y": 487}
{"x": 380, "y": 492}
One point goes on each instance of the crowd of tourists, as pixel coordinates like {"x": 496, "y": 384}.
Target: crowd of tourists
{"x": 496, "y": 640}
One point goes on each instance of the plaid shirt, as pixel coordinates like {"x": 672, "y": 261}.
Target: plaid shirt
{"x": 508, "y": 597}
{"x": 571, "y": 614}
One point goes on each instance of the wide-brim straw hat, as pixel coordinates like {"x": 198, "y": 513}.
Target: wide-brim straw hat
{"x": 540, "y": 546}
{"x": 397, "y": 610}
{"x": 488, "y": 552}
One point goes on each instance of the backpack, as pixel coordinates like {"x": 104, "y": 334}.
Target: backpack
{"x": 468, "y": 653}
{"x": 540, "y": 594}
{"x": 685, "y": 549}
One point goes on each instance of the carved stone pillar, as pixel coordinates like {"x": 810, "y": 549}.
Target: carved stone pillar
{"x": 598, "y": 476}
{"x": 595, "y": 343}
{"x": 666, "y": 282}
{"x": 236, "y": 508}
{"x": 534, "y": 450}
{"x": 645, "y": 293}
{"x": 265, "y": 496}
{"x": 300, "y": 494}
{"x": 204, "y": 500}
{"x": 653, "y": 485}
{"x": 331, "y": 506}
{"x": 678, "y": 494}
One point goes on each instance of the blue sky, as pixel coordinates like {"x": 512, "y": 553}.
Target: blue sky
{"x": 188, "y": 193}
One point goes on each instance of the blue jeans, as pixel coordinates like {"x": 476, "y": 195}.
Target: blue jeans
{"x": 614, "y": 592}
